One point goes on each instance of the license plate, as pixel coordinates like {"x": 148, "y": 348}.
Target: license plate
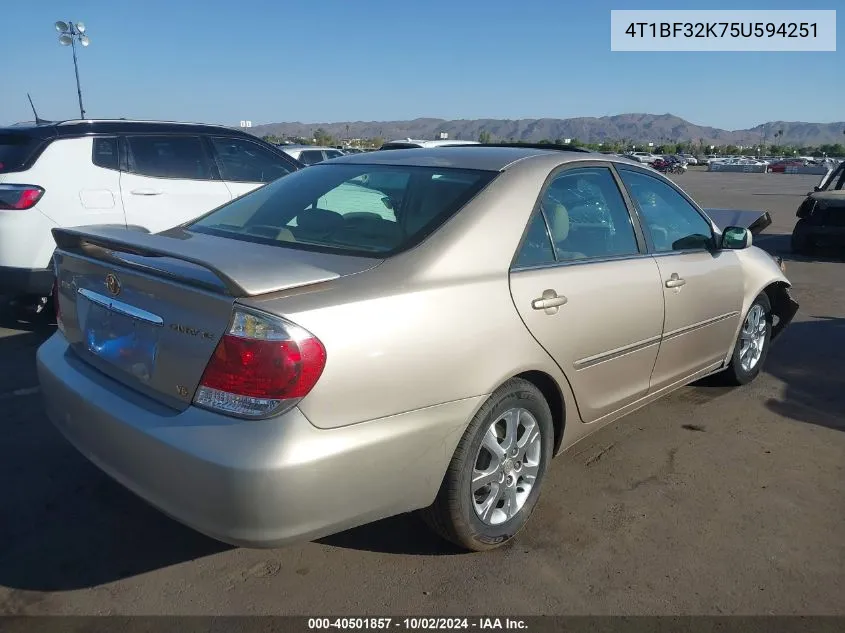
{"x": 127, "y": 343}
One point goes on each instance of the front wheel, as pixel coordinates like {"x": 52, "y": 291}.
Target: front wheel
{"x": 493, "y": 481}
{"x": 752, "y": 345}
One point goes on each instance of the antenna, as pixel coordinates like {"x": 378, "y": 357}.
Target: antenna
{"x": 38, "y": 120}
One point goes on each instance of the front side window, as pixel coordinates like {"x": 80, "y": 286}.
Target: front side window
{"x": 587, "y": 215}
{"x": 333, "y": 153}
{"x": 671, "y": 221}
{"x": 244, "y": 161}
{"x": 358, "y": 209}
{"x": 181, "y": 157}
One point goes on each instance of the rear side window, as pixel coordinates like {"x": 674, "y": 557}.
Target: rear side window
{"x": 311, "y": 157}
{"x": 536, "y": 249}
{"x": 244, "y": 161}
{"x": 104, "y": 153}
{"x": 181, "y": 157}
{"x": 355, "y": 209}
{"x": 16, "y": 150}
{"x": 333, "y": 153}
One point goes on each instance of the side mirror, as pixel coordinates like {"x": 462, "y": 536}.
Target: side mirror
{"x": 736, "y": 238}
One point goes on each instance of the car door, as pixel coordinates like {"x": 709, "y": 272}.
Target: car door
{"x": 587, "y": 290}
{"x": 245, "y": 165}
{"x": 168, "y": 180}
{"x": 702, "y": 286}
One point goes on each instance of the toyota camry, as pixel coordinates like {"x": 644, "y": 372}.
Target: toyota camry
{"x": 420, "y": 329}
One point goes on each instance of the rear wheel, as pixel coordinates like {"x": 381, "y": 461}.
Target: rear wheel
{"x": 752, "y": 345}
{"x": 493, "y": 481}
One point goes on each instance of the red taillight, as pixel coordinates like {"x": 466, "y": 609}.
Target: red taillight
{"x": 263, "y": 365}
{"x": 19, "y": 197}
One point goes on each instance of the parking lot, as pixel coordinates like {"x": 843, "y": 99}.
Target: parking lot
{"x": 712, "y": 500}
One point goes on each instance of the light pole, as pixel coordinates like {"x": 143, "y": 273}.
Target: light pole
{"x": 69, "y": 33}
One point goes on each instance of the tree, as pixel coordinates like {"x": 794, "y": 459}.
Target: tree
{"x": 322, "y": 137}
{"x": 484, "y": 137}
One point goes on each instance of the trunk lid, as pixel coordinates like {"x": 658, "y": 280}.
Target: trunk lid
{"x": 754, "y": 221}
{"x": 149, "y": 310}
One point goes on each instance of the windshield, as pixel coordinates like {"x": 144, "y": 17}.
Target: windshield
{"x": 361, "y": 209}
{"x": 15, "y": 150}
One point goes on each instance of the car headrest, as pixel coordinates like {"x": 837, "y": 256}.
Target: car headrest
{"x": 559, "y": 219}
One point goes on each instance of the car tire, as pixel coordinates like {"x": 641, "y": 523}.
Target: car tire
{"x": 750, "y": 354}
{"x": 801, "y": 243}
{"x": 486, "y": 516}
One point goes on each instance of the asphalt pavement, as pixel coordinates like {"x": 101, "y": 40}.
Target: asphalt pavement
{"x": 711, "y": 501}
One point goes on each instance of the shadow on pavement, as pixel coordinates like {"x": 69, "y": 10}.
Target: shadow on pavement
{"x": 402, "y": 534}
{"x": 810, "y": 358}
{"x": 65, "y": 525}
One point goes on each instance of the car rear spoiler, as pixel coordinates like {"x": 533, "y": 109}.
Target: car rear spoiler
{"x": 754, "y": 221}
{"x": 197, "y": 260}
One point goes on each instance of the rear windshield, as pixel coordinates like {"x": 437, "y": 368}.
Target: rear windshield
{"x": 353, "y": 209}
{"x": 15, "y": 151}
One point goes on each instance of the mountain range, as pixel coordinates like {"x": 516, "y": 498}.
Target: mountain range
{"x": 636, "y": 128}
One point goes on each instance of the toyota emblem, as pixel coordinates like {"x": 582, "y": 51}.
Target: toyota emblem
{"x": 113, "y": 284}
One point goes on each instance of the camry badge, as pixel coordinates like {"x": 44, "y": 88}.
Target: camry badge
{"x": 112, "y": 284}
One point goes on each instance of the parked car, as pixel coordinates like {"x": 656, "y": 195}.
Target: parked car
{"x": 644, "y": 157}
{"x": 410, "y": 143}
{"x": 690, "y": 159}
{"x": 281, "y": 369}
{"x": 148, "y": 175}
{"x": 311, "y": 154}
{"x": 780, "y": 166}
{"x": 821, "y": 216}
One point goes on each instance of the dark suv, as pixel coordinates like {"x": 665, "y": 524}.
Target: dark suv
{"x": 822, "y": 214}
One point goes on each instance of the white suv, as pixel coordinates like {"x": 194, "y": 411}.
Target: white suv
{"x": 146, "y": 175}
{"x": 310, "y": 154}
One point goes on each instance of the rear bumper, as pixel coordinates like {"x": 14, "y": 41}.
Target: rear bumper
{"x": 250, "y": 483}
{"x": 25, "y": 281}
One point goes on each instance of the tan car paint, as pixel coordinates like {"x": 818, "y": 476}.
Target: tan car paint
{"x": 607, "y": 356}
{"x": 444, "y": 305}
{"x": 701, "y": 315}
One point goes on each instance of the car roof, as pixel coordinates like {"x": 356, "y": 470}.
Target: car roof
{"x": 80, "y": 127}
{"x": 428, "y": 143}
{"x": 480, "y": 157}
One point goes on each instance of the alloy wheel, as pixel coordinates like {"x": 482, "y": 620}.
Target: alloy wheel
{"x": 506, "y": 466}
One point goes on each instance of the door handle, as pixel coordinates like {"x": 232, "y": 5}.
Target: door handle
{"x": 146, "y": 192}
{"x": 550, "y": 302}
{"x": 675, "y": 282}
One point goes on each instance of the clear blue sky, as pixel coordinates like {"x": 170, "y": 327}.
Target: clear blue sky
{"x": 222, "y": 61}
